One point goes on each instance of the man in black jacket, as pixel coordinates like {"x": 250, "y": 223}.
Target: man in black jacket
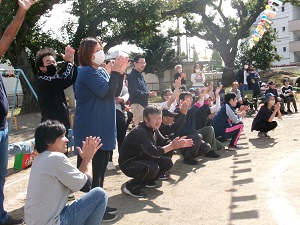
{"x": 51, "y": 84}
{"x": 141, "y": 154}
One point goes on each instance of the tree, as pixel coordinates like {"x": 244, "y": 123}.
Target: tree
{"x": 195, "y": 55}
{"x": 223, "y": 33}
{"x": 262, "y": 54}
{"x": 217, "y": 58}
{"x": 160, "y": 56}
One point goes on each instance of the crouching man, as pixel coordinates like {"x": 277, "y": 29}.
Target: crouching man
{"x": 53, "y": 178}
{"x": 141, "y": 154}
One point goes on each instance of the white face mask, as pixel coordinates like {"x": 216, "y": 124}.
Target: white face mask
{"x": 99, "y": 57}
{"x": 193, "y": 95}
{"x": 179, "y": 71}
{"x": 206, "y": 96}
{"x": 246, "y": 67}
{"x": 272, "y": 102}
{"x": 197, "y": 70}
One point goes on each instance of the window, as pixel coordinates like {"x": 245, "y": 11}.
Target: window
{"x": 274, "y": 29}
{"x": 282, "y": 9}
{"x": 283, "y": 29}
{"x": 284, "y": 49}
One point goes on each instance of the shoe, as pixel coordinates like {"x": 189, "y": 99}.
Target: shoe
{"x": 212, "y": 154}
{"x": 11, "y": 221}
{"x": 151, "y": 184}
{"x": 71, "y": 197}
{"x": 267, "y": 136}
{"x": 190, "y": 161}
{"x": 165, "y": 176}
{"x": 110, "y": 166}
{"x": 296, "y": 111}
{"x": 136, "y": 194}
{"x": 289, "y": 111}
{"x": 234, "y": 148}
{"x": 261, "y": 135}
{"x": 107, "y": 217}
{"x": 283, "y": 112}
{"x": 111, "y": 210}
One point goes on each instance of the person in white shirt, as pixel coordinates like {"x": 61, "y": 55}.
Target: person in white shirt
{"x": 198, "y": 77}
{"x": 170, "y": 98}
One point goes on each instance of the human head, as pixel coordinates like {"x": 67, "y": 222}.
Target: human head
{"x": 197, "y": 67}
{"x": 178, "y": 68}
{"x": 187, "y": 97}
{"x": 47, "y": 133}
{"x": 45, "y": 58}
{"x": 152, "y": 115}
{"x": 235, "y": 85}
{"x": 168, "y": 117}
{"x": 139, "y": 63}
{"x": 230, "y": 98}
{"x": 263, "y": 84}
{"x": 88, "y": 46}
{"x": 251, "y": 67}
{"x": 269, "y": 96}
{"x": 192, "y": 91}
{"x": 245, "y": 67}
{"x": 272, "y": 84}
{"x": 286, "y": 81}
{"x": 165, "y": 95}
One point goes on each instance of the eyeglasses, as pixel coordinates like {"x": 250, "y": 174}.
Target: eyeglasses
{"x": 143, "y": 63}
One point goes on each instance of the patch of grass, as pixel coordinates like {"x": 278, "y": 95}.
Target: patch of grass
{"x": 156, "y": 99}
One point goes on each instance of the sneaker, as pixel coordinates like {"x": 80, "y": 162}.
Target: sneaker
{"x": 212, "y": 154}
{"x": 261, "y": 135}
{"x": 234, "y": 148}
{"x": 110, "y": 166}
{"x": 107, "y": 217}
{"x": 165, "y": 176}
{"x": 267, "y": 136}
{"x": 10, "y": 221}
{"x": 289, "y": 111}
{"x": 283, "y": 112}
{"x": 151, "y": 184}
{"x": 296, "y": 111}
{"x": 190, "y": 161}
{"x": 136, "y": 194}
{"x": 111, "y": 210}
{"x": 71, "y": 197}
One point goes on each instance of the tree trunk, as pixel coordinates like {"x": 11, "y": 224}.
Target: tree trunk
{"x": 227, "y": 76}
{"x": 161, "y": 82}
{"x": 22, "y": 62}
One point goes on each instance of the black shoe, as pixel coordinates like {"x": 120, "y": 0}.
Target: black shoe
{"x": 190, "y": 161}
{"x": 296, "y": 110}
{"x": 12, "y": 221}
{"x": 71, "y": 197}
{"x": 107, "y": 217}
{"x": 289, "y": 111}
{"x": 283, "y": 112}
{"x": 136, "y": 194}
{"x": 111, "y": 210}
{"x": 212, "y": 154}
{"x": 151, "y": 184}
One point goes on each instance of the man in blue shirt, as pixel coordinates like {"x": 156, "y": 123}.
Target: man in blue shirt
{"x": 138, "y": 90}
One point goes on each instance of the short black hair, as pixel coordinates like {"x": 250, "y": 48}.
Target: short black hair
{"x": 41, "y": 54}
{"x": 183, "y": 94}
{"x": 46, "y": 133}
{"x": 151, "y": 109}
{"x": 138, "y": 57}
{"x": 164, "y": 93}
{"x": 229, "y": 96}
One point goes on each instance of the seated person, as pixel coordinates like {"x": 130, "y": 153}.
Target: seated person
{"x": 287, "y": 94}
{"x": 235, "y": 89}
{"x": 272, "y": 89}
{"x": 194, "y": 94}
{"x": 53, "y": 178}
{"x": 189, "y": 129}
{"x": 263, "y": 122}
{"x": 170, "y": 98}
{"x": 227, "y": 123}
{"x": 263, "y": 88}
{"x": 142, "y": 153}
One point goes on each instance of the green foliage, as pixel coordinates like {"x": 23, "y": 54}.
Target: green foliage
{"x": 262, "y": 54}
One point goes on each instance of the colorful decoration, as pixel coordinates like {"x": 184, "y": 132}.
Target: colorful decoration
{"x": 265, "y": 24}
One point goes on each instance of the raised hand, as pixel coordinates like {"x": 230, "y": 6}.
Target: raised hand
{"x": 26, "y": 4}
{"x": 89, "y": 147}
{"x": 120, "y": 65}
{"x": 69, "y": 54}
{"x": 177, "y": 83}
{"x": 183, "y": 108}
{"x": 182, "y": 142}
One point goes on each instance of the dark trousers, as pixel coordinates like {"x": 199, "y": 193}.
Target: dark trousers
{"x": 129, "y": 118}
{"x": 288, "y": 101}
{"x": 199, "y": 147}
{"x": 143, "y": 171}
{"x": 99, "y": 162}
{"x": 234, "y": 133}
{"x": 264, "y": 126}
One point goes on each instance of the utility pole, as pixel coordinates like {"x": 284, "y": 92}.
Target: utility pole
{"x": 178, "y": 40}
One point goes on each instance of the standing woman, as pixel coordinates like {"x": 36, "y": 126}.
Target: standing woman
{"x": 95, "y": 113}
{"x": 198, "y": 78}
{"x": 263, "y": 122}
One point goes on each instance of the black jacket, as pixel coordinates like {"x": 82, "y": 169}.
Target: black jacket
{"x": 169, "y": 130}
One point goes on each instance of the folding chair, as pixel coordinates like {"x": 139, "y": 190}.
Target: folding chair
{"x": 248, "y": 97}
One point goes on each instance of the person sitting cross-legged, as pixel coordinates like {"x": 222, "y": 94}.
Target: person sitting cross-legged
{"x": 142, "y": 153}
{"x": 263, "y": 122}
{"x": 53, "y": 178}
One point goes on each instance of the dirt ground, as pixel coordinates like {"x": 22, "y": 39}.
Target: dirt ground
{"x": 242, "y": 187}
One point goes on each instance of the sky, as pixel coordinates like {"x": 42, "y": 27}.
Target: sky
{"x": 59, "y": 15}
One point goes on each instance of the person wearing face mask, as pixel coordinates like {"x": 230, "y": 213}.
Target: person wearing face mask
{"x": 179, "y": 73}
{"x": 95, "y": 113}
{"x": 241, "y": 77}
{"x": 198, "y": 78}
{"x": 50, "y": 84}
{"x": 170, "y": 98}
{"x": 264, "y": 120}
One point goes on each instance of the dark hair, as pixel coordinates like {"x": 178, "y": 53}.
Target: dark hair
{"x": 152, "y": 109}
{"x": 229, "y": 96}
{"x": 197, "y": 65}
{"x": 46, "y": 133}
{"x": 41, "y": 54}
{"x": 183, "y": 94}
{"x": 138, "y": 57}
{"x": 164, "y": 93}
{"x": 86, "y": 50}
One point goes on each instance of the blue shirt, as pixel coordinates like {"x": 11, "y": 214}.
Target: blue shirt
{"x": 95, "y": 113}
